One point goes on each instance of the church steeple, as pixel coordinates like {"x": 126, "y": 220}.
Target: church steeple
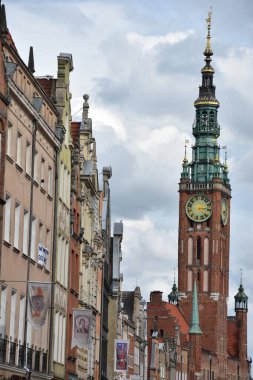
{"x": 206, "y": 165}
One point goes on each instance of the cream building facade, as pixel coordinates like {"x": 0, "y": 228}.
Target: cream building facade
{"x": 29, "y": 188}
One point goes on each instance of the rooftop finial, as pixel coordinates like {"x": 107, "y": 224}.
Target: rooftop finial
{"x": 185, "y": 149}
{"x": 241, "y": 276}
{"x": 208, "y": 51}
{"x": 174, "y": 275}
{"x": 31, "y": 61}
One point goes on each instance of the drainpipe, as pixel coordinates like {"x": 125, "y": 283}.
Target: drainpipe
{"x": 35, "y": 126}
{"x": 60, "y": 135}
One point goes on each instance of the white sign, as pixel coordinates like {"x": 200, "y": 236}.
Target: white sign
{"x": 42, "y": 255}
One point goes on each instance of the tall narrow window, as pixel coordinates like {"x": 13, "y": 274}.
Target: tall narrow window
{"x": 25, "y": 232}
{"x": 21, "y": 319}
{"x": 19, "y": 150}
{"x": 66, "y": 264}
{"x": 13, "y": 314}
{"x": 60, "y": 340}
{"x": 206, "y": 251}
{"x": 7, "y": 221}
{"x": 17, "y": 225}
{"x": 198, "y": 250}
{"x": 33, "y": 239}
{"x": 50, "y": 182}
{"x": 3, "y": 311}
{"x": 63, "y": 255}
{"x": 63, "y": 339}
{"x": 42, "y": 174}
{"x": 28, "y": 158}
{"x": 189, "y": 281}
{"x": 190, "y": 250}
{"x": 56, "y": 336}
{"x": 59, "y": 258}
{"x": 9, "y": 140}
{"x": 205, "y": 282}
{"x": 36, "y": 166}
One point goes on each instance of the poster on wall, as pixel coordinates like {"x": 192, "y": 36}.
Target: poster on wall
{"x": 121, "y": 355}
{"x": 81, "y": 327}
{"x": 39, "y": 298}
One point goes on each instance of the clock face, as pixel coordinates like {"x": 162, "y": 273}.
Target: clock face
{"x": 199, "y": 208}
{"x": 224, "y": 211}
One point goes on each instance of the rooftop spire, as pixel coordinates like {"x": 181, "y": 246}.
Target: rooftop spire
{"x": 241, "y": 299}
{"x": 208, "y": 50}
{"x": 195, "y": 329}
{"x": 173, "y": 296}
{"x": 31, "y": 61}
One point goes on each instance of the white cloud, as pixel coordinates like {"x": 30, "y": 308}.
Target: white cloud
{"x": 148, "y": 43}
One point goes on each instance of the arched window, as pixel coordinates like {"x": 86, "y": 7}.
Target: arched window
{"x": 190, "y": 250}
{"x": 198, "y": 250}
{"x": 189, "y": 281}
{"x": 206, "y": 251}
{"x": 205, "y": 281}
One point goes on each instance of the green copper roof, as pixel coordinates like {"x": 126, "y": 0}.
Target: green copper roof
{"x": 195, "y": 329}
{"x": 206, "y": 164}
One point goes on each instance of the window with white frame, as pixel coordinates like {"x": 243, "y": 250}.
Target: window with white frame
{"x": 13, "y": 314}
{"x": 25, "y": 232}
{"x": 21, "y": 319}
{"x": 63, "y": 339}
{"x": 65, "y": 282}
{"x": 62, "y": 253}
{"x": 136, "y": 356}
{"x": 17, "y": 225}
{"x": 3, "y": 311}
{"x": 28, "y": 158}
{"x": 33, "y": 238}
{"x": 9, "y": 139}
{"x": 36, "y": 166}
{"x": 7, "y": 221}
{"x": 59, "y": 356}
{"x": 19, "y": 149}
{"x": 56, "y": 336}
{"x": 59, "y": 258}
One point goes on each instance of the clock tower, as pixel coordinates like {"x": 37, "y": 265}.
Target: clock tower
{"x": 204, "y": 221}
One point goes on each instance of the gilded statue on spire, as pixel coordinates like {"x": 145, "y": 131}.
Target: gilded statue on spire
{"x": 208, "y": 51}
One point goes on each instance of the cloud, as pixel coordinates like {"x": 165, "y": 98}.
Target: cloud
{"x": 148, "y": 43}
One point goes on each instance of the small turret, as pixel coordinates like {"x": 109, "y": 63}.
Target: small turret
{"x": 173, "y": 296}
{"x": 241, "y": 299}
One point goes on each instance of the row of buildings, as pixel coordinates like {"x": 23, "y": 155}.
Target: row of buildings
{"x": 55, "y": 233}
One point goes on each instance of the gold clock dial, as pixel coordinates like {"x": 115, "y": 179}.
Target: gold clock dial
{"x": 199, "y": 208}
{"x": 224, "y": 211}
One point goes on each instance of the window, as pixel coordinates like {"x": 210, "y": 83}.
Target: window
{"x": 206, "y": 251}
{"x": 66, "y": 265}
{"x": 198, "y": 250}
{"x": 9, "y": 140}
{"x": 25, "y": 232}
{"x": 21, "y": 319}
{"x": 42, "y": 175}
{"x": 50, "y": 182}
{"x": 3, "y": 311}
{"x": 19, "y": 149}
{"x": 13, "y": 314}
{"x": 17, "y": 225}
{"x": 36, "y": 166}
{"x": 7, "y": 222}
{"x": 189, "y": 281}
{"x": 63, "y": 339}
{"x": 190, "y": 250}
{"x": 205, "y": 282}
{"x": 33, "y": 239}
{"x": 56, "y": 336}
{"x": 28, "y": 158}
{"x": 60, "y": 339}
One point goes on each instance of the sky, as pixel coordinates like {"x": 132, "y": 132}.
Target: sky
{"x": 140, "y": 63}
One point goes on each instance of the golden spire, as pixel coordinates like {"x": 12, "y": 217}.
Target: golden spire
{"x": 208, "y": 50}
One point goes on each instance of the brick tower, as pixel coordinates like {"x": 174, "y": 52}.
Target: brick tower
{"x": 204, "y": 221}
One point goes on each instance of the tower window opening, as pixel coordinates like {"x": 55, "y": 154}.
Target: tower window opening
{"x": 198, "y": 251}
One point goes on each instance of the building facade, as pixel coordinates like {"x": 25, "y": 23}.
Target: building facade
{"x": 27, "y": 244}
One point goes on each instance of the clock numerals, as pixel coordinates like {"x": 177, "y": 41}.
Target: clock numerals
{"x": 199, "y": 208}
